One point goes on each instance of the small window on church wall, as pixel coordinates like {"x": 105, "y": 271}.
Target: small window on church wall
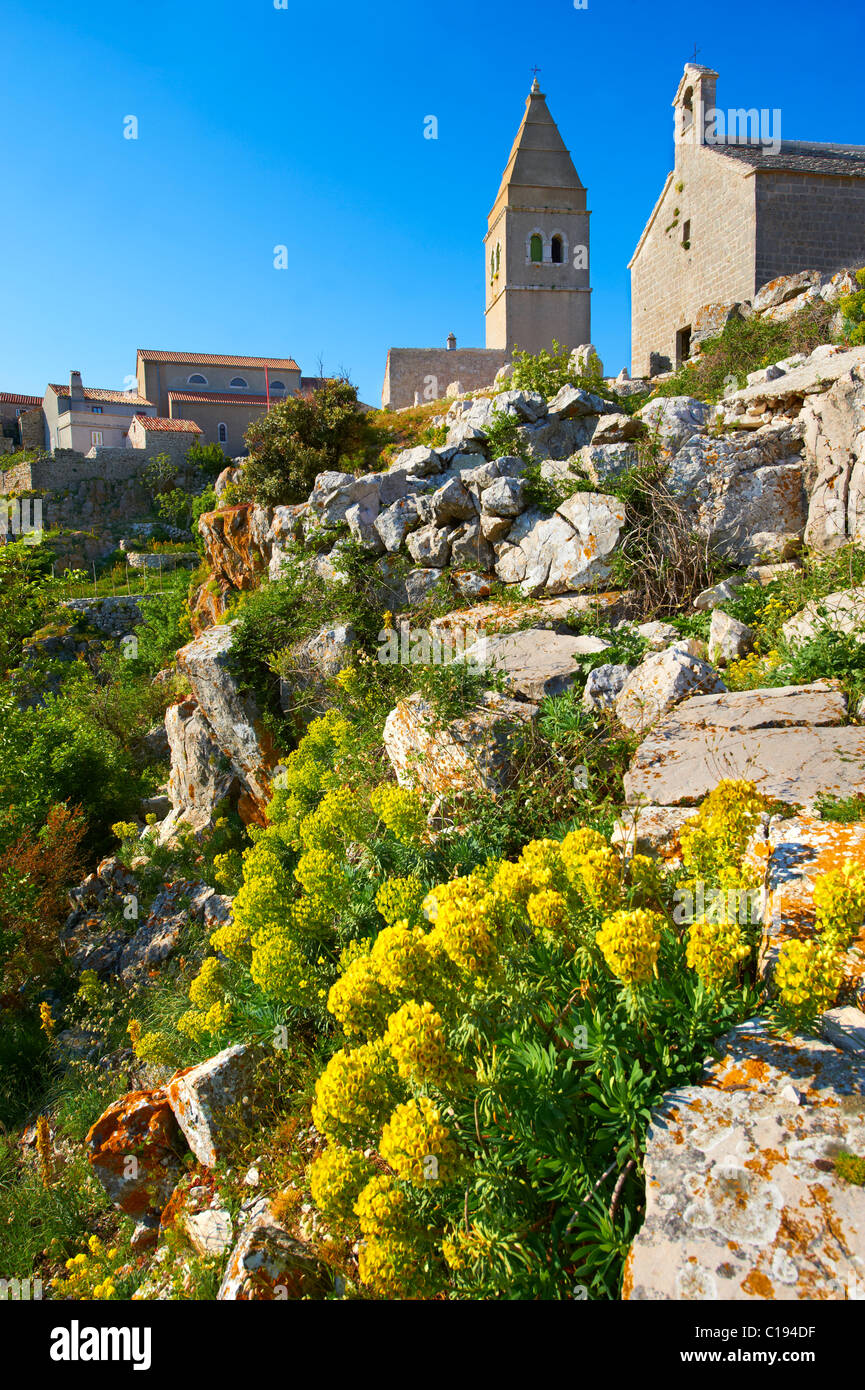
{"x": 686, "y": 234}
{"x": 536, "y": 248}
{"x": 557, "y": 250}
{"x": 222, "y": 434}
{"x": 498, "y": 257}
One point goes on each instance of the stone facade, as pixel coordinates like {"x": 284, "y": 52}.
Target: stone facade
{"x": 414, "y": 376}
{"x": 733, "y": 215}
{"x": 223, "y": 395}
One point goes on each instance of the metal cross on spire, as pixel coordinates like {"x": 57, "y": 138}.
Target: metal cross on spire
{"x": 536, "y": 86}
{"x": 696, "y": 51}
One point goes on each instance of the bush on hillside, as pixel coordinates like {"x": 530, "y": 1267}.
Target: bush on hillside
{"x": 302, "y": 436}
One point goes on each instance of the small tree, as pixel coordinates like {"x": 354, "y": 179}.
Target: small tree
{"x": 302, "y": 436}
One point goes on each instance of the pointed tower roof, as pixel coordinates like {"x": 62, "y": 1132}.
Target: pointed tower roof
{"x": 540, "y": 160}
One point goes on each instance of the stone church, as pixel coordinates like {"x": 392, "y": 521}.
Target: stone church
{"x": 740, "y": 207}
{"x": 536, "y": 268}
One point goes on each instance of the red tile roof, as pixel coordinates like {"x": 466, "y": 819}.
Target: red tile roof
{"x": 13, "y": 398}
{"x": 159, "y": 422}
{"x": 206, "y": 359}
{"x": 203, "y": 398}
{"x": 97, "y": 394}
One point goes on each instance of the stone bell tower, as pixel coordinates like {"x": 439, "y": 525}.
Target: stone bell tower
{"x": 537, "y": 245}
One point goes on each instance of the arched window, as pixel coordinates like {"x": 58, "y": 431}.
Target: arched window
{"x": 498, "y": 257}
{"x": 222, "y": 434}
{"x": 557, "y": 250}
{"x": 536, "y": 247}
{"x": 277, "y": 386}
{"x": 238, "y": 383}
{"x": 196, "y": 380}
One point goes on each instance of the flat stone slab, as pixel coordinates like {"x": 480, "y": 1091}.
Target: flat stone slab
{"x": 787, "y": 741}
{"x": 812, "y": 377}
{"x": 800, "y": 850}
{"x": 536, "y": 663}
{"x": 742, "y": 1199}
{"x": 556, "y": 613}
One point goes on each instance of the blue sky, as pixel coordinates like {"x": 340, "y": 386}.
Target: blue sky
{"x": 304, "y": 126}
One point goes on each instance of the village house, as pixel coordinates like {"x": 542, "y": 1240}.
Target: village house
{"x": 222, "y": 395}
{"x": 740, "y": 207}
{"x": 85, "y": 418}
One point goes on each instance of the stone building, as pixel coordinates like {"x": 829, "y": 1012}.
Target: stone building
{"x": 16, "y": 415}
{"x": 222, "y": 395}
{"x": 740, "y": 207}
{"x": 536, "y": 270}
{"x": 84, "y": 418}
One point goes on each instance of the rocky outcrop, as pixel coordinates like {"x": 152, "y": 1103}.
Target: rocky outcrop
{"x": 235, "y": 544}
{"x": 743, "y": 1201}
{"x": 201, "y": 776}
{"x": 563, "y": 552}
{"x": 233, "y": 720}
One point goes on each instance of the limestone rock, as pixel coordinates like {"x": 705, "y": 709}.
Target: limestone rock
{"x": 429, "y": 546}
{"x": 728, "y": 638}
{"x": 469, "y": 753}
{"x": 452, "y": 502}
{"x": 329, "y": 650}
{"x": 505, "y": 497}
{"x": 603, "y": 685}
{"x": 785, "y": 287}
{"x": 614, "y": 429}
{"x": 843, "y": 611}
{"x": 268, "y": 1264}
{"x": 158, "y": 936}
{"x": 469, "y": 547}
{"x": 201, "y": 777}
{"x": 720, "y": 593}
{"x": 787, "y": 740}
{"x": 674, "y": 420}
{"x": 573, "y": 403}
{"x": 601, "y": 462}
{"x": 658, "y": 635}
{"x": 232, "y": 716}
{"x": 742, "y": 1198}
{"x": 652, "y": 830}
{"x": 565, "y": 551}
{"x": 561, "y": 614}
{"x": 135, "y": 1151}
{"x": 535, "y": 663}
{"x": 209, "y": 1232}
{"x": 745, "y": 495}
{"x": 208, "y": 1101}
{"x": 662, "y": 681}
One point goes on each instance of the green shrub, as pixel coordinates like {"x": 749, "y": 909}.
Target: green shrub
{"x": 303, "y": 436}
